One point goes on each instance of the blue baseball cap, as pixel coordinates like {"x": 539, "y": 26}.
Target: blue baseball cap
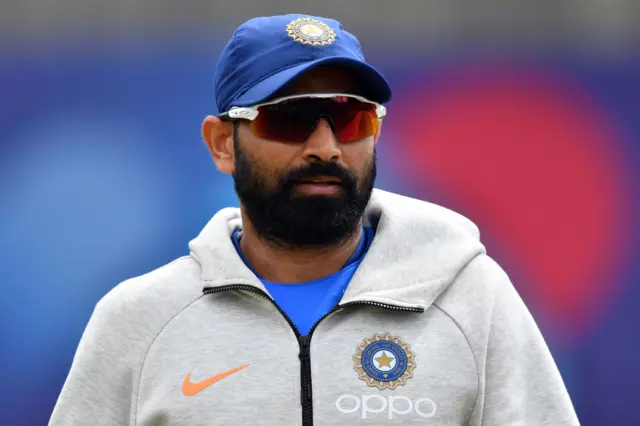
{"x": 266, "y": 53}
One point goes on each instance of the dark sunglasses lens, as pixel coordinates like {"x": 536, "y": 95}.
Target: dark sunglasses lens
{"x": 286, "y": 122}
{"x": 354, "y": 124}
{"x": 295, "y": 120}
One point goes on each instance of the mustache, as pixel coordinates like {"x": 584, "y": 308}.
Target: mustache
{"x": 314, "y": 170}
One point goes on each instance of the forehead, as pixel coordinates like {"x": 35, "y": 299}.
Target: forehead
{"x": 323, "y": 80}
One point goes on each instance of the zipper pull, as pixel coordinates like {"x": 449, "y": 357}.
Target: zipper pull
{"x": 305, "y": 352}
{"x": 305, "y": 370}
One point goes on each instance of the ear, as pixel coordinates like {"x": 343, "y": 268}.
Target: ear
{"x": 218, "y": 136}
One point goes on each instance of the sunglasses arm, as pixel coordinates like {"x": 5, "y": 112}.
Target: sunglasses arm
{"x": 245, "y": 113}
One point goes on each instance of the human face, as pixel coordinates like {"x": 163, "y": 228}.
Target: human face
{"x": 310, "y": 193}
{"x": 289, "y": 213}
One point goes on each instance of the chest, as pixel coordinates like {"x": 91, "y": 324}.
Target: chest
{"x": 232, "y": 365}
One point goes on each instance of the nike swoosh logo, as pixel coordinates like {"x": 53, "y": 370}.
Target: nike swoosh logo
{"x": 189, "y": 388}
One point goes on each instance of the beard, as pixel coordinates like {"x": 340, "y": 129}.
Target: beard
{"x": 289, "y": 219}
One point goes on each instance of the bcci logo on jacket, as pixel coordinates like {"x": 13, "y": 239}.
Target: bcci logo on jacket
{"x": 310, "y": 31}
{"x": 384, "y": 361}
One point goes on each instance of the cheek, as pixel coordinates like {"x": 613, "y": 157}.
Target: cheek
{"x": 267, "y": 159}
{"x": 271, "y": 165}
{"x": 358, "y": 156}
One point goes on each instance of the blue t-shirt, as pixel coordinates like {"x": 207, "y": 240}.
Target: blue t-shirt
{"x": 305, "y": 303}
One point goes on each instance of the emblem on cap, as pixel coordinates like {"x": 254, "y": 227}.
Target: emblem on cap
{"x": 310, "y": 31}
{"x": 384, "y": 361}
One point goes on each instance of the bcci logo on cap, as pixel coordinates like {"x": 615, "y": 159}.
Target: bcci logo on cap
{"x": 310, "y": 31}
{"x": 384, "y": 361}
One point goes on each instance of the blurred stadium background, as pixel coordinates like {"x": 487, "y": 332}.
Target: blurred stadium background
{"x": 522, "y": 115}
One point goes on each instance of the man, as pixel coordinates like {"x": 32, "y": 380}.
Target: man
{"x": 319, "y": 301}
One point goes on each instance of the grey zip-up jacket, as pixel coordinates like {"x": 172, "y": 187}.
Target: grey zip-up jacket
{"x": 429, "y": 331}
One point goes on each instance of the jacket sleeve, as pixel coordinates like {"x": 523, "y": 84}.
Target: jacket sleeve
{"x": 99, "y": 389}
{"x": 518, "y": 381}
{"x": 522, "y": 384}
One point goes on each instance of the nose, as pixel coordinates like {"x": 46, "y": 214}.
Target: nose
{"x": 322, "y": 145}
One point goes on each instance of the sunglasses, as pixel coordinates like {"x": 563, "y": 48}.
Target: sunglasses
{"x": 294, "y": 118}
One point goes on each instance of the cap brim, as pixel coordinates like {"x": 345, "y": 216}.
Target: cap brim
{"x": 374, "y": 86}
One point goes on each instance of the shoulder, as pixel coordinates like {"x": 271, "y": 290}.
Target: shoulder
{"x": 476, "y": 289}
{"x": 482, "y": 300}
{"x": 143, "y": 305}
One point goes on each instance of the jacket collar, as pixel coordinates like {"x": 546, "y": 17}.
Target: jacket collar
{"x": 417, "y": 251}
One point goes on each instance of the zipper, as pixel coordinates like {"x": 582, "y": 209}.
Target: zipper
{"x": 306, "y": 397}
